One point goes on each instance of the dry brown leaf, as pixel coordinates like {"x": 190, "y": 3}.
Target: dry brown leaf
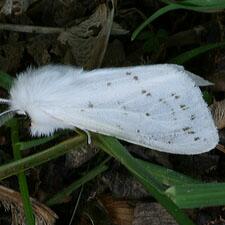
{"x": 123, "y": 185}
{"x": 218, "y": 78}
{"x": 11, "y": 53}
{"x": 123, "y": 212}
{"x": 152, "y": 213}
{"x": 12, "y": 201}
{"x": 218, "y": 113}
{"x": 88, "y": 40}
{"x": 16, "y": 7}
{"x": 78, "y": 157}
{"x": 120, "y": 211}
{"x": 38, "y": 49}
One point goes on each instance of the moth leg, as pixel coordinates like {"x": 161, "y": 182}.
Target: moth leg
{"x": 78, "y": 130}
{"x": 88, "y": 136}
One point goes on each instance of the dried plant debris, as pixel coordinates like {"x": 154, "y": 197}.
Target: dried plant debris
{"x": 123, "y": 185}
{"x": 38, "y": 49}
{"x": 115, "y": 55}
{"x": 152, "y": 213}
{"x": 11, "y": 53}
{"x": 218, "y": 113}
{"x": 218, "y": 78}
{"x": 121, "y": 212}
{"x": 78, "y": 157}
{"x": 15, "y": 7}
{"x": 88, "y": 40}
{"x": 11, "y": 200}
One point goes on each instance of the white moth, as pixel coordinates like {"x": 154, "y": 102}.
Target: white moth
{"x": 157, "y": 106}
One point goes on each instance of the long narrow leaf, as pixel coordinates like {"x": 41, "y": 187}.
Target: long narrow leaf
{"x": 41, "y": 157}
{"x": 28, "y": 211}
{"x": 114, "y": 148}
{"x": 36, "y": 142}
{"x": 167, "y": 176}
{"x": 153, "y": 17}
{"x": 59, "y": 197}
{"x": 188, "y": 5}
{"x": 197, "y": 195}
{"x": 186, "y": 56}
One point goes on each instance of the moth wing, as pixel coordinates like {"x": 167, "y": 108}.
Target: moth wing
{"x": 157, "y": 106}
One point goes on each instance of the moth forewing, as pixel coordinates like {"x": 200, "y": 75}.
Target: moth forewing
{"x": 158, "y": 106}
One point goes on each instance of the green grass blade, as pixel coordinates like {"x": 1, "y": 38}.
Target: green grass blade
{"x": 5, "y": 80}
{"x": 115, "y": 149}
{"x": 186, "y": 56}
{"x": 28, "y": 211}
{"x": 199, "y": 5}
{"x": 153, "y": 17}
{"x": 36, "y": 142}
{"x": 167, "y": 176}
{"x": 197, "y": 195}
{"x": 203, "y": 3}
{"x": 40, "y": 157}
{"x": 59, "y": 197}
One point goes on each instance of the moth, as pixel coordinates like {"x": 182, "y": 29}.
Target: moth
{"x": 155, "y": 106}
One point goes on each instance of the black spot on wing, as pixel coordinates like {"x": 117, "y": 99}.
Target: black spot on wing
{"x": 135, "y": 77}
{"x": 186, "y": 128}
{"x": 193, "y": 117}
{"x": 184, "y": 107}
{"x": 90, "y": 105}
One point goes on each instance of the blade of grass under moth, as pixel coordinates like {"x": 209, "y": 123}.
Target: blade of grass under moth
{"x": 197, "y": 195}
{"x": 115, "y": 149}
{"x": 39, "y": 158}
{"x": 167, "y": 176}
{"x": 36, "y": 142}
{"x": 28, "y": 211}
{"x": 186, "y": 56}
{"x": 153, "y": 17}
{"x": 59, "y": 197}
{"x": 5, "y": 80}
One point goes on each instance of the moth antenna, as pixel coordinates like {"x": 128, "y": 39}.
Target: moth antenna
{"x": 7, "y": 115}
{"x": 4, "y": 101}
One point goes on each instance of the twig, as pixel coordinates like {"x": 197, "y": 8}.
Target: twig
{"x": 31, "y": 29}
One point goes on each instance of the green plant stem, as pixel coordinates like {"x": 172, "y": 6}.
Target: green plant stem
{"x": 114, "y": 148}
{"x": 58, "y": 198}
{"x": 40, "y": 157}
{"x": 188, "y": 55}
{"x": 28, "y": 211}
